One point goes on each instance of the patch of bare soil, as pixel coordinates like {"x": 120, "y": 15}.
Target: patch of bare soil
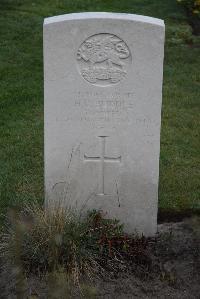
{"x": 174, "y": 270}
{"x": 171, "y": 269}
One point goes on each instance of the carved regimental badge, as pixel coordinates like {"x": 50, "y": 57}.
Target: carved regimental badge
{"x": 103, "y": 59}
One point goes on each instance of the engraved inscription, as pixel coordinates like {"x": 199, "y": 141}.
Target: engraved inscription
{"x": 103, "y": 108}
{"x": 103, "y": 59}
{"x": 102, "y": 159}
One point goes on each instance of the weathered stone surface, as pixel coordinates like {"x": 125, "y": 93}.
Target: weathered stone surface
{"x": 103, "y": 94}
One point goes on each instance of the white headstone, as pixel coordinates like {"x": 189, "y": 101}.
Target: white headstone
{"x": 103, "y": 94}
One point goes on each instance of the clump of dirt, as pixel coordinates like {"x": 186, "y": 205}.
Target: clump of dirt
{"x": 167, "y": 266}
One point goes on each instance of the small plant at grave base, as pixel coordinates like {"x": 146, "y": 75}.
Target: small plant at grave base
{"x": 114, "y": 245}
{"x": 47, "y": 240}
{"x": 192, "y": 8}
{"x": 43, "y": 242}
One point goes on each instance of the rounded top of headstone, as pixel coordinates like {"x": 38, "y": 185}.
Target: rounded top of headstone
{"x": 103, "y": 15}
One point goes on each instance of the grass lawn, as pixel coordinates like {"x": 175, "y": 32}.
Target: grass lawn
{"x": 21, "y": 99}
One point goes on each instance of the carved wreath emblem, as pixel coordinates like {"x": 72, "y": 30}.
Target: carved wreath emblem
{"x": 103, "y": 59}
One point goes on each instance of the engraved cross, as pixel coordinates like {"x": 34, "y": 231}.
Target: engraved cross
{"x": 102, "y": 159}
